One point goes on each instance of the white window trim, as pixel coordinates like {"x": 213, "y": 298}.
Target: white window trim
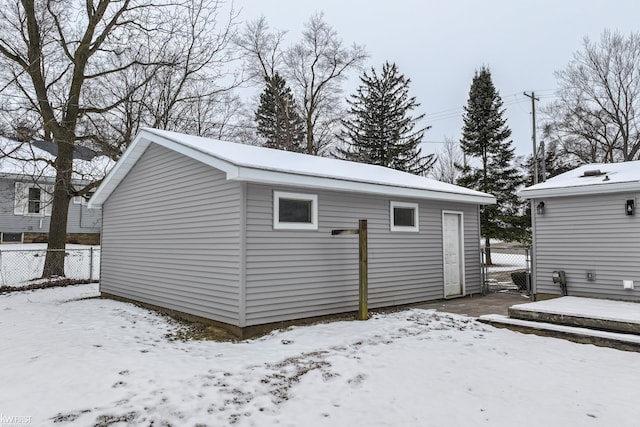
{"x": 404, "y": 228}
{"x": 277, "y": 225}
{"x": 21, "y": 199}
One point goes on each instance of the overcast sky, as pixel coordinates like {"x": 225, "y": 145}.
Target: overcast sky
{"x": 440, "y": 44}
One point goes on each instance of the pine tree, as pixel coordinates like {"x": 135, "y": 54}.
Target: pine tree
{"x": 279, "y": 122}
{"x": 554, "y": 165}
{"x": 485, "y": 137}
{"x": 379, "y": 129}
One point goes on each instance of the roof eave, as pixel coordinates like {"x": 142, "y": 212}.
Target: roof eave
{"x": 264, "y": 176}
{"x": 582, "y": 190}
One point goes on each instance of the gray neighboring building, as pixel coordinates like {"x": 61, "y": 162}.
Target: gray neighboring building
{"x": 242, "y": 235}
{"x": 585, "y": 223}
{"x": 25, "y": 212}
{"x": 26, "y": 188}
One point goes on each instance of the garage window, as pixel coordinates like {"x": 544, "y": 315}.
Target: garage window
{"x": 404, "y": 217}
{"x": 295, "y": 211}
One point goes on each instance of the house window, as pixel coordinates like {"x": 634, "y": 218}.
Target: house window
{"x": 295, "y": 211}
{"x": 404, "y": 216}
{"x": 83, "y": 200}
{"x": 11, "y": 237}
{"x": 34, "y": 201}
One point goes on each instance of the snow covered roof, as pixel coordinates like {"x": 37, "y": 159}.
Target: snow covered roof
{"x": 33, "y": 159}
{"x": 264, "y": 165}
{"x": 594, "y": 178}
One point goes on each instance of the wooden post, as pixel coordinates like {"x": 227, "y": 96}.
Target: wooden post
{"x": 363, "y": 276}
{"x": 363, "y": 271}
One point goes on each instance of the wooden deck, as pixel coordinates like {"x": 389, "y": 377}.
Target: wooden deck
{"x": 587, "y": 320}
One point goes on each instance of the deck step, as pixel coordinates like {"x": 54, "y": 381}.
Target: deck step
{"x": 620, "y": 341}
{"x": 604, "y": 315}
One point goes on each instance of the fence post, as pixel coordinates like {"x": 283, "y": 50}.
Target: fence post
{"x": 483, "y": 273}
{"x": 529, "y": 273}
{"x": 91, "y": 263}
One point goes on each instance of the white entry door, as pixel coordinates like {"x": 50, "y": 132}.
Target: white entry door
{"x": 453, "y": 253}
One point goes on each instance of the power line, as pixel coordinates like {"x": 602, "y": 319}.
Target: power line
{"x": 440, "y": 116}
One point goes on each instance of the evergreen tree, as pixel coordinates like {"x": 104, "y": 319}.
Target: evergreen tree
{"x": 485, "y": 138}
{"x": 279, "y": 122}
{"x": 379, "y": 129}
{"x": 554, "y": 165}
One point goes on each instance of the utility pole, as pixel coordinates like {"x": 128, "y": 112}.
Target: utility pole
{"x": 535, "y": 144}
{"x": 543, "y": 163}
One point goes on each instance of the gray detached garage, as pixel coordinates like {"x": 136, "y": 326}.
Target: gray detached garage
{"x": 587, "y": 231}
{"x": 242, "y": 234}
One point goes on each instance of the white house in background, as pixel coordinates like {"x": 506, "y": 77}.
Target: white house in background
{"x": 586, "y": 224}
{"x": 242, "y": 235}
{"x": 26, "y": 188}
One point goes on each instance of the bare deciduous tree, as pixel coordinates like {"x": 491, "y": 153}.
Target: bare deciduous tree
{"x": 264, "y": 56}
{"x": 315, "y": 67}
{"x": 85, "y": 69}
{"x": 447, "y": 157}
{"x": 318, "y": 64}
{"x": 596, "y": 115}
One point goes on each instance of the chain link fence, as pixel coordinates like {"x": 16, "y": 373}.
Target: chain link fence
{"x": 506, "y": 268}
{"x": 24, "y": 267}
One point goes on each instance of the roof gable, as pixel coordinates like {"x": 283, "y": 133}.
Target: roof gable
{"x": 595, "y": 178}
{"x": 264, "y": 165}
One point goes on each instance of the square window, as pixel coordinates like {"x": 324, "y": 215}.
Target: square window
{"x": 404, "y": 217}
{"x": 83, "y": 200}
{"x": 295, "y": 211}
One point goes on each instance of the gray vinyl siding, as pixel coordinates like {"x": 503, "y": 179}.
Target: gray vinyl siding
{"x": 80, "y": 220}
{"x": 294, "y": 274}
{"x": 171, "y": 237}
{"x": 83, "y": 220}
{"x": 588, "y": 233}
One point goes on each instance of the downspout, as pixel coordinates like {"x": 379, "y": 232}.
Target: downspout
{"x": 242, "y": 264}
{"x": 534, "y": 285}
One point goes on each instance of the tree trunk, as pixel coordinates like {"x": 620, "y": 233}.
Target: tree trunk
{"x": 54, "y": 261}
{"x": 309, "y": 135}
{"x": 487, "y": 251}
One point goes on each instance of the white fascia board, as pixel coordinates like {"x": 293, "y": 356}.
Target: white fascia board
{"x": 280, "y": 178}
{"x": 137, "y": 149}
{"x": 620, "y": 187}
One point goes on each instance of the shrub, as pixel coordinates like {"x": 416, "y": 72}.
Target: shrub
{"x": 519, "y": 279}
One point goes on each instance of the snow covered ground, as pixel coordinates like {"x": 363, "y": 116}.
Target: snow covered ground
{"x": 507, "y": 262}
{"x": 20, "y": 264}
{"x": 72, "y": 361}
